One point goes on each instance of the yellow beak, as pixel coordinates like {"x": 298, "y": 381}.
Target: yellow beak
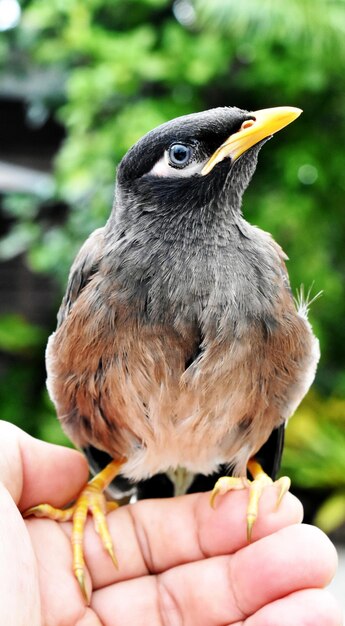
{"x": 265, "y": 122}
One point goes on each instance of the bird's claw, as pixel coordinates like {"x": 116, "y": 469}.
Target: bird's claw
{"x": 256, "y": 488}
{"x": 91, "y": 500}
{"x": 80, "y": 576}
{"x": 225, "y": 484}
{"x": 284, "y": 484}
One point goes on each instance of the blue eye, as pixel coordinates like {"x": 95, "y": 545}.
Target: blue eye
{"x": 179, "y": 154}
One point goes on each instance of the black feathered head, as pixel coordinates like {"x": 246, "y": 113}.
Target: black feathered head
{"x": 198, "y": 160}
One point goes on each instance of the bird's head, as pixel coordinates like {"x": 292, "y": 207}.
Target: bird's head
{"x": 197, "y": 161}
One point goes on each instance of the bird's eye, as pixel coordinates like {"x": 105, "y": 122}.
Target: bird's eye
{"x": 179, "y": 155}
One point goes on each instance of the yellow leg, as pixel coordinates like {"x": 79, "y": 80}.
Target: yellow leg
{"x": 255, "y": 487}
{"x": 79, "y": 521}
{"x": 91, "y": 500}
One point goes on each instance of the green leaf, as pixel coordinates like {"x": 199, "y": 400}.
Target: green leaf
{"x": 17, "y": 335}
{"x": 331, "y": 514}
{"x": 18, "y": 240}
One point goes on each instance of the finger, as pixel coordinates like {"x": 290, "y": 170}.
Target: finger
{"x": 51, "y": 473}
{"x": 297, "y": 557}
{"x": 302, "y": 608}
{"x": 18, "y": 568}
{"x": 56, "y": 579}
{"x": 89, "y": 619}
{"x": 35, "y": 472}
{"x": 225, "y": 589}
{"x": 152, "y": 536}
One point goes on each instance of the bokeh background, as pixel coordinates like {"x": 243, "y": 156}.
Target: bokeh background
{"x": 81, "y": 81}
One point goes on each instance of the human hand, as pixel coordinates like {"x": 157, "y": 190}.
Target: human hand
{"x": 180, "y": 562}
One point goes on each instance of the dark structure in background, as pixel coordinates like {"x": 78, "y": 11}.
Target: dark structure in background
{"x": 29, "y": 141}
{"x": 28, "y": 144}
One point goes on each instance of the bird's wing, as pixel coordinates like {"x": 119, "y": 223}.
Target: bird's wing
{"x": 84, "y": 266}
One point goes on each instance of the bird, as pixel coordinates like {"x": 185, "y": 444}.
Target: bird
{"x": 180, "y": 352}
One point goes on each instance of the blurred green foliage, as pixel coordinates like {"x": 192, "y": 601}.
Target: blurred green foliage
{"x": 17, "y": 335}
{"x": 124, "y": 66}
{"x": 314, "y": 454}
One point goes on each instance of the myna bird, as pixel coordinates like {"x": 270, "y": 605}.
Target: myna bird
{"x": 179, "y": 348}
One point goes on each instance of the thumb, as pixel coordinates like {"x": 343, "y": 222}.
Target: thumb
{"x": 35, "y": 472}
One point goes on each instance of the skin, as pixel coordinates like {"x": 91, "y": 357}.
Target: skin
{"x": 180, "y": 562}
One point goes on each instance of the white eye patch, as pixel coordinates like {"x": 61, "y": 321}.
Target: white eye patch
{"x": 163, "y": 168}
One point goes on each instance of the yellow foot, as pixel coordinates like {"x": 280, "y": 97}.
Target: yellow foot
{"x": 91, "y": 500}
{"x": 256, "y": 488}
